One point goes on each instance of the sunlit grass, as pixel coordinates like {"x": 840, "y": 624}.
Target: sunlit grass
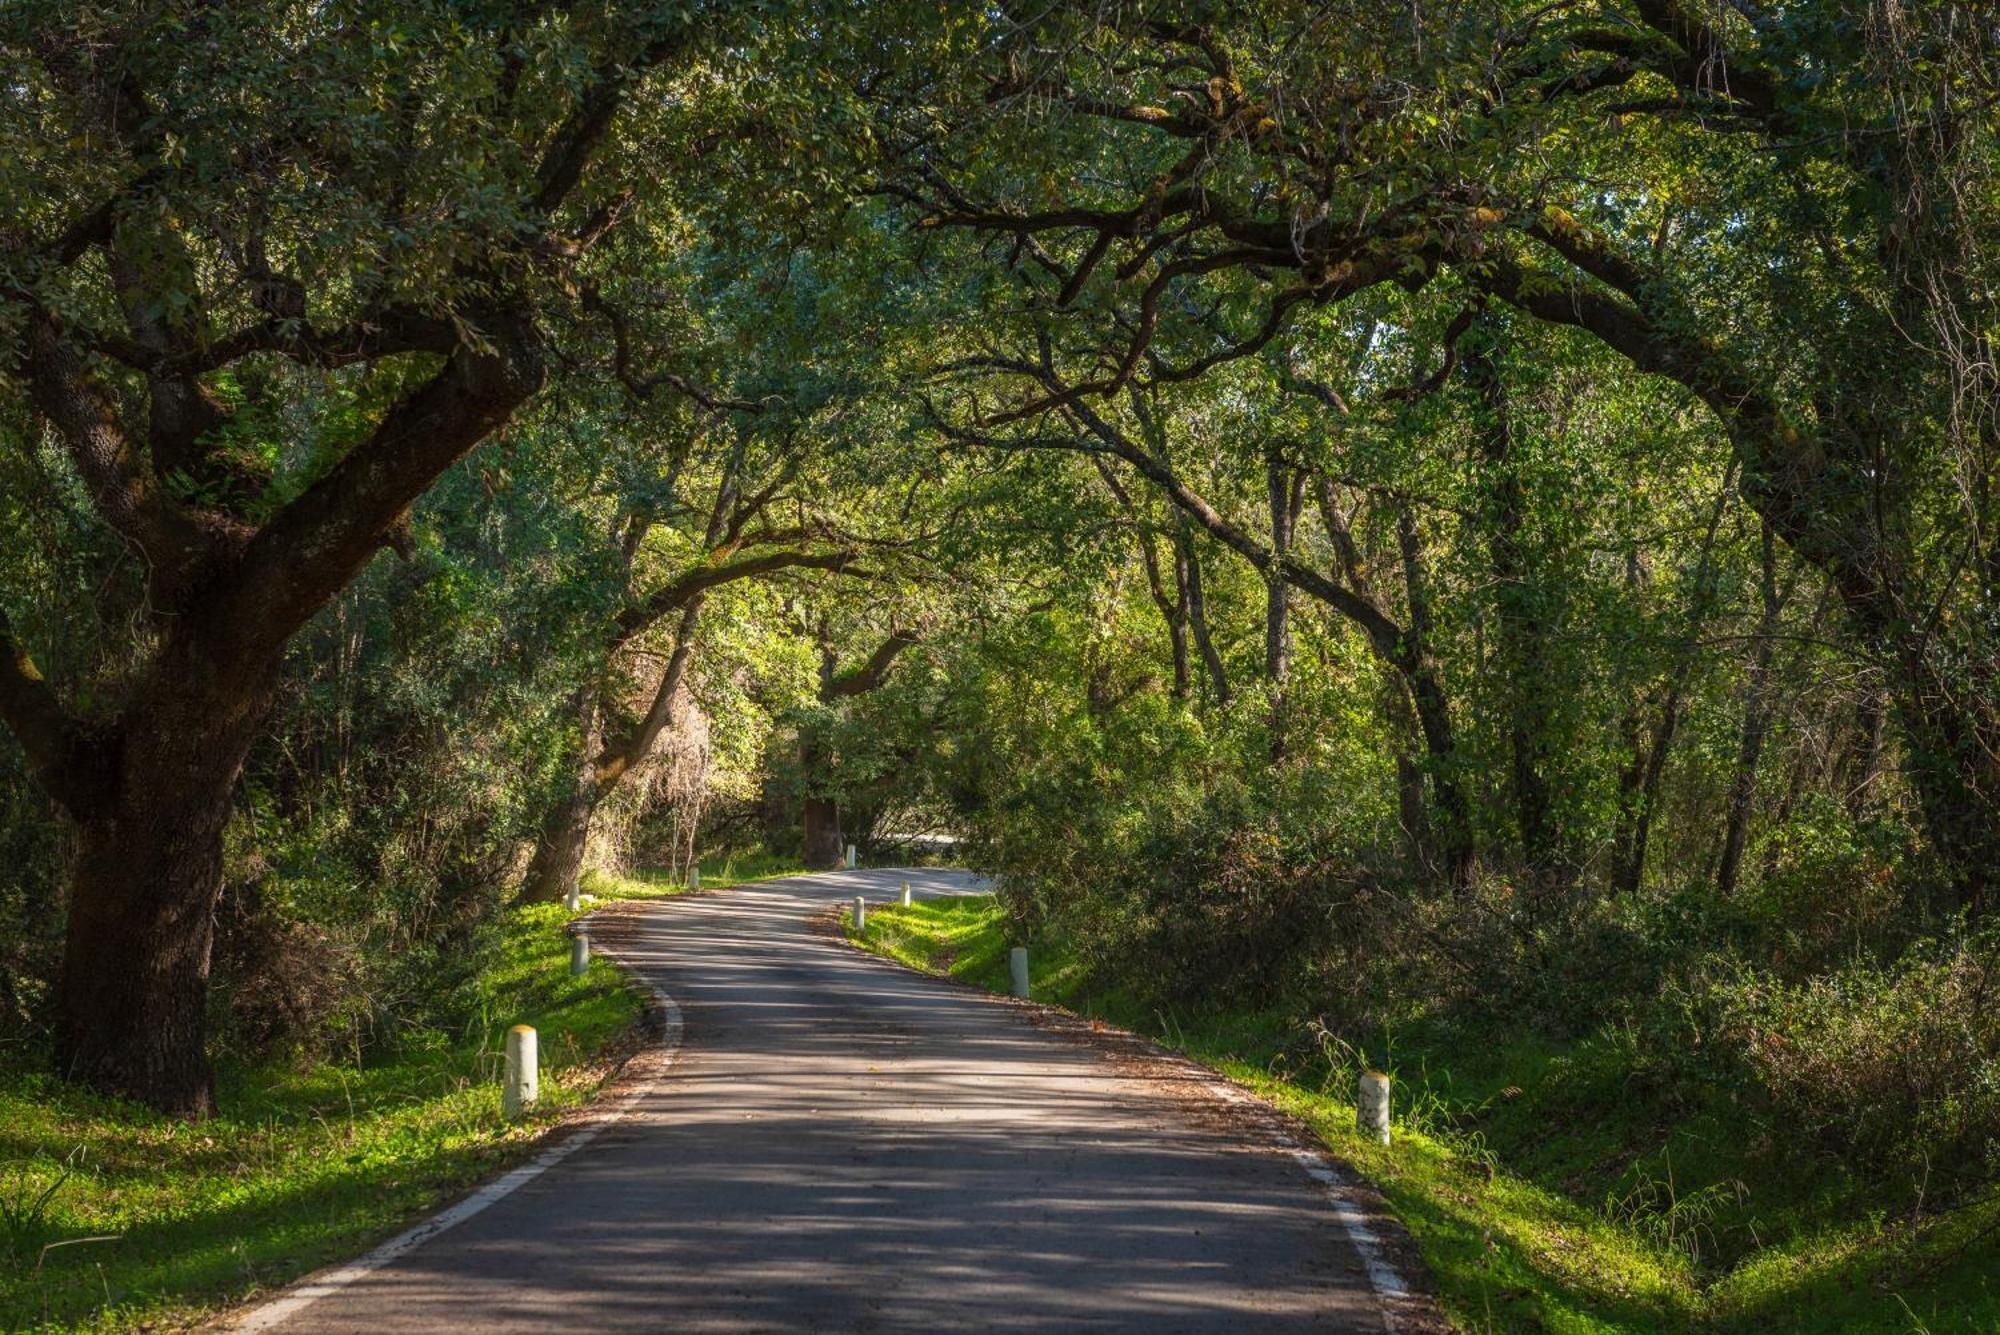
{"x": 301, "y": 1166}
{"x": 717, "y": 873}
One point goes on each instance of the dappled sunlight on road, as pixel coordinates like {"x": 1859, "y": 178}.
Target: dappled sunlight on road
{"x": 846, "y": 1145}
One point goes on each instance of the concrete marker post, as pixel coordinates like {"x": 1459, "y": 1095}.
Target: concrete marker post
{"x": 1017, "y": 971}
{"x": 694, "y": 878}
{"x": 521, "y": 1087}
{"x": 850, "y": 857}
{"x": 579, "y": 954}
{"x": 860, "y": 913}
{"x": 1371, "y": 1106}
{"x": 906, "y": 894}
{"x": 572, "y": 901}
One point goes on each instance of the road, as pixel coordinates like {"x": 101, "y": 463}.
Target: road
{"x": 843, "y": 1145}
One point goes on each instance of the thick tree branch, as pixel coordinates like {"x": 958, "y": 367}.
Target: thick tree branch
{"x": 577, "y": 138}
{"x": 121, "y": 489}
{"x": 312, "y": 547}
{"x": 865, "y": 678}
{"x": 383, "y": 333}
{"x": 679, "y": 591}
{"x": 1784, "y": 477}
{"x": 621, "y": 755}
{"x": 1705, "y": 63}
{"x": 61, "y": 754}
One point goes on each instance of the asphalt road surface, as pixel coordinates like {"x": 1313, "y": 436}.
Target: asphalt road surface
{"x": 843, "y": 1145}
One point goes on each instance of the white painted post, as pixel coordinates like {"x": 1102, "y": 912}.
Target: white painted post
{"x": 694, "y": 877}
{"x": 906, "y": 894}
{"x": 860, "y": 913}
{"x": 519, "y": 1092}
{"x": 1017, "y": 970}
{"x": 850, "y": 857}
{"x": 579, "y": 954}
{"x": 571, "y": 901}
{"x": 1371, "y": 1106}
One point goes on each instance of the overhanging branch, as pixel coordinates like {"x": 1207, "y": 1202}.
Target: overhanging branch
{"x": 60, "y": 752}
{"x": 680, "y": 591}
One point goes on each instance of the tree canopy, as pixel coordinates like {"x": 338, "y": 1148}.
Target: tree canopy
{"x": 1294, "y": 490}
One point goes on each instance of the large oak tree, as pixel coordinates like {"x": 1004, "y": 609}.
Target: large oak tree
{"x": 270, "y": 272}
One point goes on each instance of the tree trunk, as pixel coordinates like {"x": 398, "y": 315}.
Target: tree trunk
{"x": 1756, "y": 723}
{"x": 1453, "y": 826}
{"x": 131, "y": 998}
{"x": 1639, "y": 784}
{"x": 1444, "y": 842}
{"x": 1412, "y": 804}
{"x": 1177, "y": 640}
{"x": 1522, "y": 628}
{"x": 1643, "y": 790}
{"x": 565, "y": 832}
{"x": 559, "y": 849}
{"x": 1173, "y": 610}
{"x": 1951, "y": 767}
{"x": 822, "y": 847}
{"x": 1286, "y": 489}
{"x": 1197, "y": 611}
{"x": 606, "y": 763}
{"x": 1283, "y": 488}
{"x": 1946, "y": 713}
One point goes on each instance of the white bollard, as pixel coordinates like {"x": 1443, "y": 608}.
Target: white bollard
{"x": 860, "y": 913}
{"x": 694, "y": 878}
{"x": 906, "y": 894}
{"x": 519, "y": 1092}
{"x": 571, "y": 901}
{"x": 1371, "y": 1106}
{"x": 579, "y": 954}
{"x": 850, "y": 857}
{"x": 1017, "y": 970}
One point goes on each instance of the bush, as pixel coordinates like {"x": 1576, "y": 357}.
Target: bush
{"x": 1892, "y": 1069}
{"x": 1231, "y": 917}
{"x": 1832, "y": 886}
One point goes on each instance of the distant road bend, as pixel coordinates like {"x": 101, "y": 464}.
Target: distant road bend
{"x": 844, "y": 1145}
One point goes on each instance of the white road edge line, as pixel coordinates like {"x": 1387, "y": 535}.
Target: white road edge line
{"x": 282, "y": 1309}
{"x": 1383, "y": 1276}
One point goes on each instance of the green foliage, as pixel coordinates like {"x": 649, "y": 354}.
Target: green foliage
{"x": 1621, "y": 731}
{"x": 1893, "y": 1070}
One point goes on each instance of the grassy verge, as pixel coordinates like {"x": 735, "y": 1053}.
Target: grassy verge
{"x": 717, "y": 873}
{"x": 1536, "y": 1178}
{"x": 113, "y": 1218}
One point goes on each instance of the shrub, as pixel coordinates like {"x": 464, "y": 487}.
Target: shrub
{"x": 1831, "y": 886}
{"x": 1895, "y": 1069}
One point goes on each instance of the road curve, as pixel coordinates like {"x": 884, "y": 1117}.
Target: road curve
{"x": 844, "y": 1145}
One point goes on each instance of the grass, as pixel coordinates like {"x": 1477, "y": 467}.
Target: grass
{"x": 719, "y": 872}
{"x": 112, "y": 1217}
{"x": 1546, "y": 1188}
